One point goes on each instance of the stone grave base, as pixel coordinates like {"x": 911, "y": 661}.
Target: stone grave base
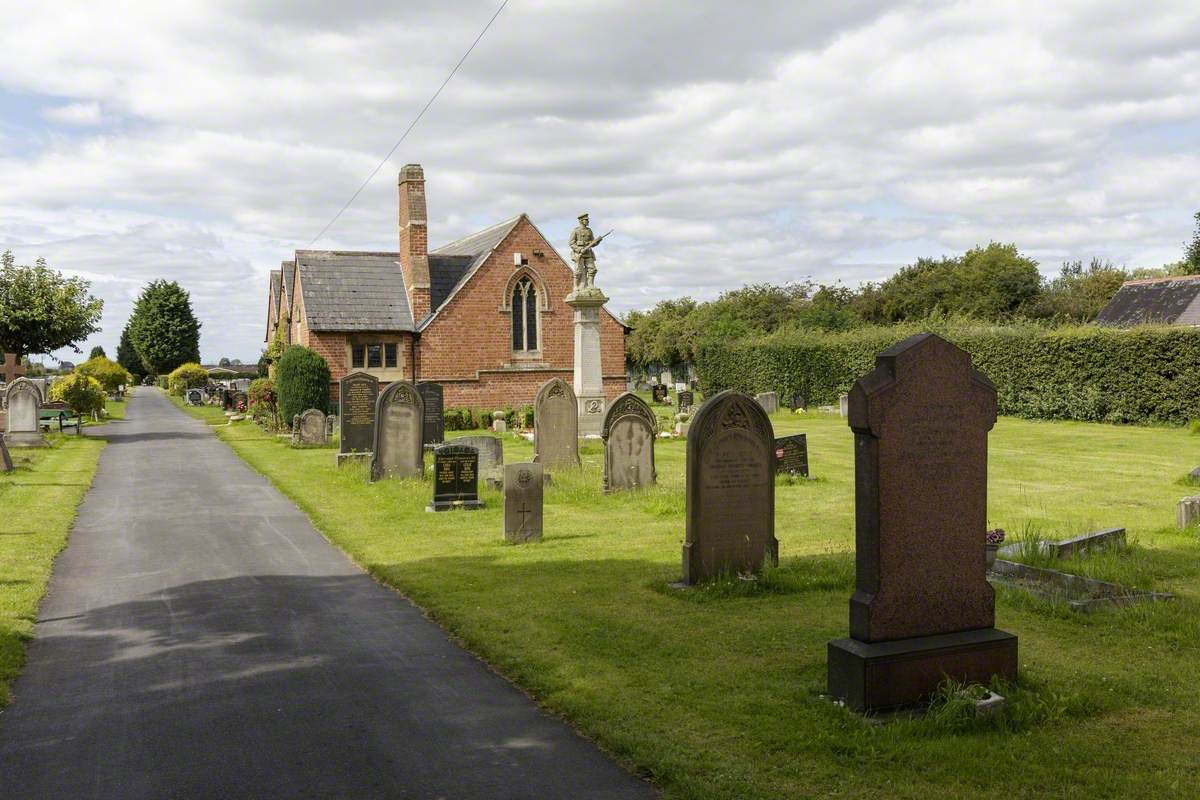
{"x": 450, "y": 505}
{"x": 343, "y": 458}
{"x": 26, "y": 440}
{"x": 1080, "y": 593}
{"x": 880, "y": 676}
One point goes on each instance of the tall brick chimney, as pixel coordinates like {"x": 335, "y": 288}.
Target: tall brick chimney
{"x": 414, "y": 239}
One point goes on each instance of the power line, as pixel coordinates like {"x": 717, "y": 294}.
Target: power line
{"x": 411, "y": 125}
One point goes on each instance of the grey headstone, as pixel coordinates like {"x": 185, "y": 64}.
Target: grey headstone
{"x": 1195, "y": 474}
{"x": 23, "y": 400}
{"x": 523, "y": 502}
{"x": 1187, "y": 513}
{"x": 331, "y": 425}
{"x": 6, "y": 464}
{"x": 769, "y": 401}
{"x": 730, "y": 489}
{"x": 556, "y": 426}
{"x": 844, "y": 403}
{"x": 491, "y": 457}
{"x": 399, "y": 420}
{"x": 628, "y": 433}
{"x": 434, "y": 427}
{"x": 358, "y": 393}
{"x": 311, "y": 427}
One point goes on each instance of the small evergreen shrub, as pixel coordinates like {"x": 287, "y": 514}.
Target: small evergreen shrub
{"x": 485, "y": 419}
{"x": 186, "y": 376}
{"x": 111, "y": 375}
{"x": 82, "y": 393}
{"x": 526, "y": 417}
{"x": 301, "y": 382}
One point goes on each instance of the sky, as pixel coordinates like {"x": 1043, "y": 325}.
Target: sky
{"x": 726, "y": 143}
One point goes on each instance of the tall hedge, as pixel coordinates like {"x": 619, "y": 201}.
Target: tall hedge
{"x": 1144, "y": 375}
{"x": 301, "y": 382}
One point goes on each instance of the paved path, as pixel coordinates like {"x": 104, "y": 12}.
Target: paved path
{"x": 201, "y": 640}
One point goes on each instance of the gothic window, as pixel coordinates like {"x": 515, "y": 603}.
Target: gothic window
{"x": 524, "y": 317}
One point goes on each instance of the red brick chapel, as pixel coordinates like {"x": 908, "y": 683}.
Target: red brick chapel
{"x": 483, "y": 316}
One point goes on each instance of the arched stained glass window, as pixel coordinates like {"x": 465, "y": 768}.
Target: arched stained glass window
{"x": 524, "y": 316}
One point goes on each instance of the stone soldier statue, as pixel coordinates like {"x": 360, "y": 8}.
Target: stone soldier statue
{"x": 581, "y": 243}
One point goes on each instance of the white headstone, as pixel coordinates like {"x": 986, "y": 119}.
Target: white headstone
{"x": 23, "y": 400}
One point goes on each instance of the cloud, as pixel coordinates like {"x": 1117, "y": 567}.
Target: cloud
{"x": 726, "y": 143}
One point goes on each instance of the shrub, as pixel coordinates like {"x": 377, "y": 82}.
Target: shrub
{"x": 485, "y": 419}
{"x": 111, "y": 375}
{"x": 264, "y": 406}
{"x": 187, "y": 376}
{"x": 301, "y": 382}
{"x": 526, "y": 417}
{"x": 82, "y": 393}
{"x": 1143, "y": 375}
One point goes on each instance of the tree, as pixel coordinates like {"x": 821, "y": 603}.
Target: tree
{"x": 163, "y": 328}
{"x": 97, "y": 352}
{"x": 110, "y": 374}
{"x": 42, "y": 311}
{"x": 1078, "y": 293}
{"x": 224, "y": 362}
{"x": 127, "y": 355}
{"x": 1191, "y": 252}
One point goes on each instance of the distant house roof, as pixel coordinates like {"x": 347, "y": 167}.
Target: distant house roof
{"x": 1161, "y": 301}
{"x": 250, "y": 370}
{"x": 353, "y": 291}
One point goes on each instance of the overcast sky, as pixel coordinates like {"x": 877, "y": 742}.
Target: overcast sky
{"x": 726, "y": 142}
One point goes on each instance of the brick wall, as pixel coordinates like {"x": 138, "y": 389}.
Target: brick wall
{"x": 11, "y": 369}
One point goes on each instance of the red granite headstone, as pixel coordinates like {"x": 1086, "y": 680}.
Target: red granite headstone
{"x": 920, "y": 420}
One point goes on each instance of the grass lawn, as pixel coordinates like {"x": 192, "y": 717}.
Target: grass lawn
{"x": 38, "y": 499}
{"x": 715, "y": 693}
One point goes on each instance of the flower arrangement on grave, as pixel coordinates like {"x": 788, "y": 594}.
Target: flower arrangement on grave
{"x": 995, "y": 537}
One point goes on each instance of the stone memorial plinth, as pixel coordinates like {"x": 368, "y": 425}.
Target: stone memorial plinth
{"x": 358, "y": 393}
{"x": 455, "y": 478}
{"x": 730, "y": 489}
{"x": 491, "y": 458}
{"x": 922, "y": 609}
{"x": 589, "y": 383}
{"x": 628, "y": 434}
{"x": 556, "y": 426}
{"x": 21, "y": 428}
{"x": 309, "y": 428}
{"x": 791, "y": 455}
{"x": 523, "y": 493}
{"x": 399, "y": 425}
{"x": 769, "y": 401}
{"x": 434, "y": 428}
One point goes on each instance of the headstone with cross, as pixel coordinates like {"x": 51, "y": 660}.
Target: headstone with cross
{"x": 523, "y": 502}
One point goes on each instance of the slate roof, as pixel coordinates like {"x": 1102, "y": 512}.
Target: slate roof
{"x": 353, "y": 291}
{"x": 273, "y": 300}
{"x": 1162, "y": 301}
{"x": 452, "y": 265}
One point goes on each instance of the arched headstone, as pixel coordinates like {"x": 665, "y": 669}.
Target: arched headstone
{"x": 23, "y": 400}
{"x": 556, "y": 425}
{"x": 311, "y": 427}
{"x": 399, "y": 418}
{"x": 628, "y": 433}
{"x": 730, "y": 489}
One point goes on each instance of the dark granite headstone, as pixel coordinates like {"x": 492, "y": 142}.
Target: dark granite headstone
{"x": 398, "y": 452}
{"x": 6, "y": 464}
{"x": 195, "y": 397}
{"x": 730, "y": 489}
{"x": 791, "y": 454}
{"x": 455, "y": 478}
{"x": 685, "y": 400}
{"x": 227, "y": 399}
{"x": 356, "y": 418}
{"x": 628, "y": 432}
{"x": 523, "y": 493}
{"x": 556, "y": 425}
{"x": 660, "y": 393}
{"x": 434, "y": 429}
{"x": 922, "y": 608}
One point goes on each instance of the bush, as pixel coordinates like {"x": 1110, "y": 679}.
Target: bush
{"x": 301, "y": 382}
{"x": 264, "y": 406}
{"x": 187, "y": 376}
{"x": 485, "y": 419}
{"x": 82, "y": 393}
{"x": 111, "y": 375}
{"x": 526, "y": 417}
{"x": 1143, "y": 375}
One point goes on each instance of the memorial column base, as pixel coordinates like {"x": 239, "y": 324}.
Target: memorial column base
{"x": 589, "y": 382}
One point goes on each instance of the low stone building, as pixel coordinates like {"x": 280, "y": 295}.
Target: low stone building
{"x": 483, "y": 316}
{"x": 1157, "y": 301}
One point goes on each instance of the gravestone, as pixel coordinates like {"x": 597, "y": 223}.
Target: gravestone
{"x": 331, "y": 425}
{"x": 23, "y": 399}
{"x": 791, "y": 454}
{"x": 798, "y": 402}
{"x": 356, "y": 415}
{"x": 1187, "y": 512}
{"x": 660, "y": 393}
{"x": 399, "y": 422}
{"x": 434, "y": 428}
{"x": 730, "y": 489}
{"x": 455, "y": 478}
{"x": 628, "y": 433}
{"x": 310, "y": 427}
{"x": 491, "y": 457}
{"x": 523, "y": 502}
{"x": 195, "y": 397}
{"x": 844, "y": 405}
{"x": 6, "y": 464}
{"x": 684, "y": 400}
{"x": 769, "y": 401}
{"x": 922, "y": 608}
{"x": 556, "y": 426}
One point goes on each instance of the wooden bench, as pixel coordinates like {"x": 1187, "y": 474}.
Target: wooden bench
{"x": 61, "y": 412}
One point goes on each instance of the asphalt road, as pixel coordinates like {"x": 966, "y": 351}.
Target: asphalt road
{"x": 201, "y": 640}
